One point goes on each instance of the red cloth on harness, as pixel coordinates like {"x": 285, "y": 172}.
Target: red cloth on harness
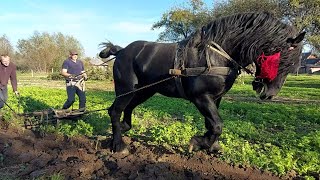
{"x": 269, "y": 66}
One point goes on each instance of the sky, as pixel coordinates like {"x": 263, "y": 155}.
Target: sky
{"x": 89, "y": 21}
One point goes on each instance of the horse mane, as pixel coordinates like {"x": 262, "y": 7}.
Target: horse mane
{"x": 248, "y": 35}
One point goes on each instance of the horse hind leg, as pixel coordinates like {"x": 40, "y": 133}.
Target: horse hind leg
{"x": 115, "y": 112}
{"x": 138, "y": 98}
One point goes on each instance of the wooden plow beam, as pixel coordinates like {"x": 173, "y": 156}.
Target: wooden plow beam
{"x": 49, "y": 116}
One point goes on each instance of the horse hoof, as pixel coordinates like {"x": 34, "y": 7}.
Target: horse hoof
{"x": 190, "y": 148}
{"x": 117, "y": 146}
{"x": 125, "y": 152}
{"x": 215, "y": 147}
{"x": 193, "y": 145}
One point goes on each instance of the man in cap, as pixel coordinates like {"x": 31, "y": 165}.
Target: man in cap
{"x": 7, "y": 71}
{"x": 73, "y": 71}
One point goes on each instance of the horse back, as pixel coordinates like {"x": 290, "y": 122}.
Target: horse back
{"x": 148, "y": 58}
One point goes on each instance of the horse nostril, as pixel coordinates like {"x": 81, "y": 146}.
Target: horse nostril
{"x": 270, "y": 97}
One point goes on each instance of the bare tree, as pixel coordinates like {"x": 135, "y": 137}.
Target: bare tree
{"x": 5, "y": 46}
{"x": 44, "y": 51}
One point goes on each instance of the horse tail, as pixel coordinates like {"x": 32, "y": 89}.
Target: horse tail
{"x": 109, "y": 49}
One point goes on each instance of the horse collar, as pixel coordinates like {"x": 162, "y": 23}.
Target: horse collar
{"x": 179, "y": 68}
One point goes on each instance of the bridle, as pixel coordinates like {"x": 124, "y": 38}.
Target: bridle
{"x": 259, "y": 79}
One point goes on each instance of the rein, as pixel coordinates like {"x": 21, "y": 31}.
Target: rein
{"x": 149, "y": 85}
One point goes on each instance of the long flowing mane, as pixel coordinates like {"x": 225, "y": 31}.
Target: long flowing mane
{"x": 246, "y": 36}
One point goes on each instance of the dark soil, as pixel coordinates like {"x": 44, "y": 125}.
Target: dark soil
{"x": 23, "y": 155}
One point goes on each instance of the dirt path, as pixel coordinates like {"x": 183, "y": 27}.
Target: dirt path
{"x": 282, "y": 100}
{"x": 23, "y": 155}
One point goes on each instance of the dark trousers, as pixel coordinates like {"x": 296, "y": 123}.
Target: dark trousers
{"x": 71, "y": 91}
{"x": 3, "y": 96}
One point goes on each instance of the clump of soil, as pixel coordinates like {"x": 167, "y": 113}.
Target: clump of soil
{"x": 24, "y": 155}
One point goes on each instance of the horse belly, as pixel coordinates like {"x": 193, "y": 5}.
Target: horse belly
{"x": 213, "y": 85}
{"x": 169, "y": 90}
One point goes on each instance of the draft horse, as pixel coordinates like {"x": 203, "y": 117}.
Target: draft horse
{"x": 202, "y": 68}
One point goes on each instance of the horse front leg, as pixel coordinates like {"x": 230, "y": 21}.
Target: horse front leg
{"x": 213, "y": 123}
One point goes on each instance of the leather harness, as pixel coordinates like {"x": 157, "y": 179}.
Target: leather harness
{"x": 180, "y": 70}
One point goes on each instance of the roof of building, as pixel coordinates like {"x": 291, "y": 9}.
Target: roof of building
{"x": 96, "y": 62}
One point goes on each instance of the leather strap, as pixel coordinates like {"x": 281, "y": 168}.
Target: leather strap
{"x": 179, "y": 64}
{"x": 201, "y": 71}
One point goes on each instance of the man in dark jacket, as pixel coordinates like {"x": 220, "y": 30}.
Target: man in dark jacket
{"x": 7, "y": 71}
{"x": 73, "y": 71}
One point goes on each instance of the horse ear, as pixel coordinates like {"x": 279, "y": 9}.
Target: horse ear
{"x": 296, "y": 40}
{"x": 293, "y": 42}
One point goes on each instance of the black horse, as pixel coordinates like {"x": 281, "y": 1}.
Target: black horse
{"x": 202, "y": 68}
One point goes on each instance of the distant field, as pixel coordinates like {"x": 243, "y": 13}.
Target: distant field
{"x": 40, "y": 79}
{"x": 281, "y": 136}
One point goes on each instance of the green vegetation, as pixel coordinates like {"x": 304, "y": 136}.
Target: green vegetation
{"x": 55, "y": 176}
{"x": 280, "y": 137}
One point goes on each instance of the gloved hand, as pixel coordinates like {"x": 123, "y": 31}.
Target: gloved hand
{"x": 85, "y": 76}
{"x": 17, "y": 93}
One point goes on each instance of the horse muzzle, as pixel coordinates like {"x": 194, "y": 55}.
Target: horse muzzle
{"x": 261, "y": 88}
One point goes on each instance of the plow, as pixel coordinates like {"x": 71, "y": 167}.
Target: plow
{"x": 48, "y": 116}
{"x": 34, "y": 119}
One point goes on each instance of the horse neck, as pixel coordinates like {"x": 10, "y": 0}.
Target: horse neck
{"x": 229, "y": 55}
{"x": 244, "y": 39}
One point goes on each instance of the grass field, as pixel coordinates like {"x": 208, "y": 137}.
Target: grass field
{"x": 281, "y": 136}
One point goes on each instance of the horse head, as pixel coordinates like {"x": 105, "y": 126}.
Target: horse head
{"x": 109, "y": 49}
{"x": 272, "y": 70}
{"x": 256, "y": 38}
